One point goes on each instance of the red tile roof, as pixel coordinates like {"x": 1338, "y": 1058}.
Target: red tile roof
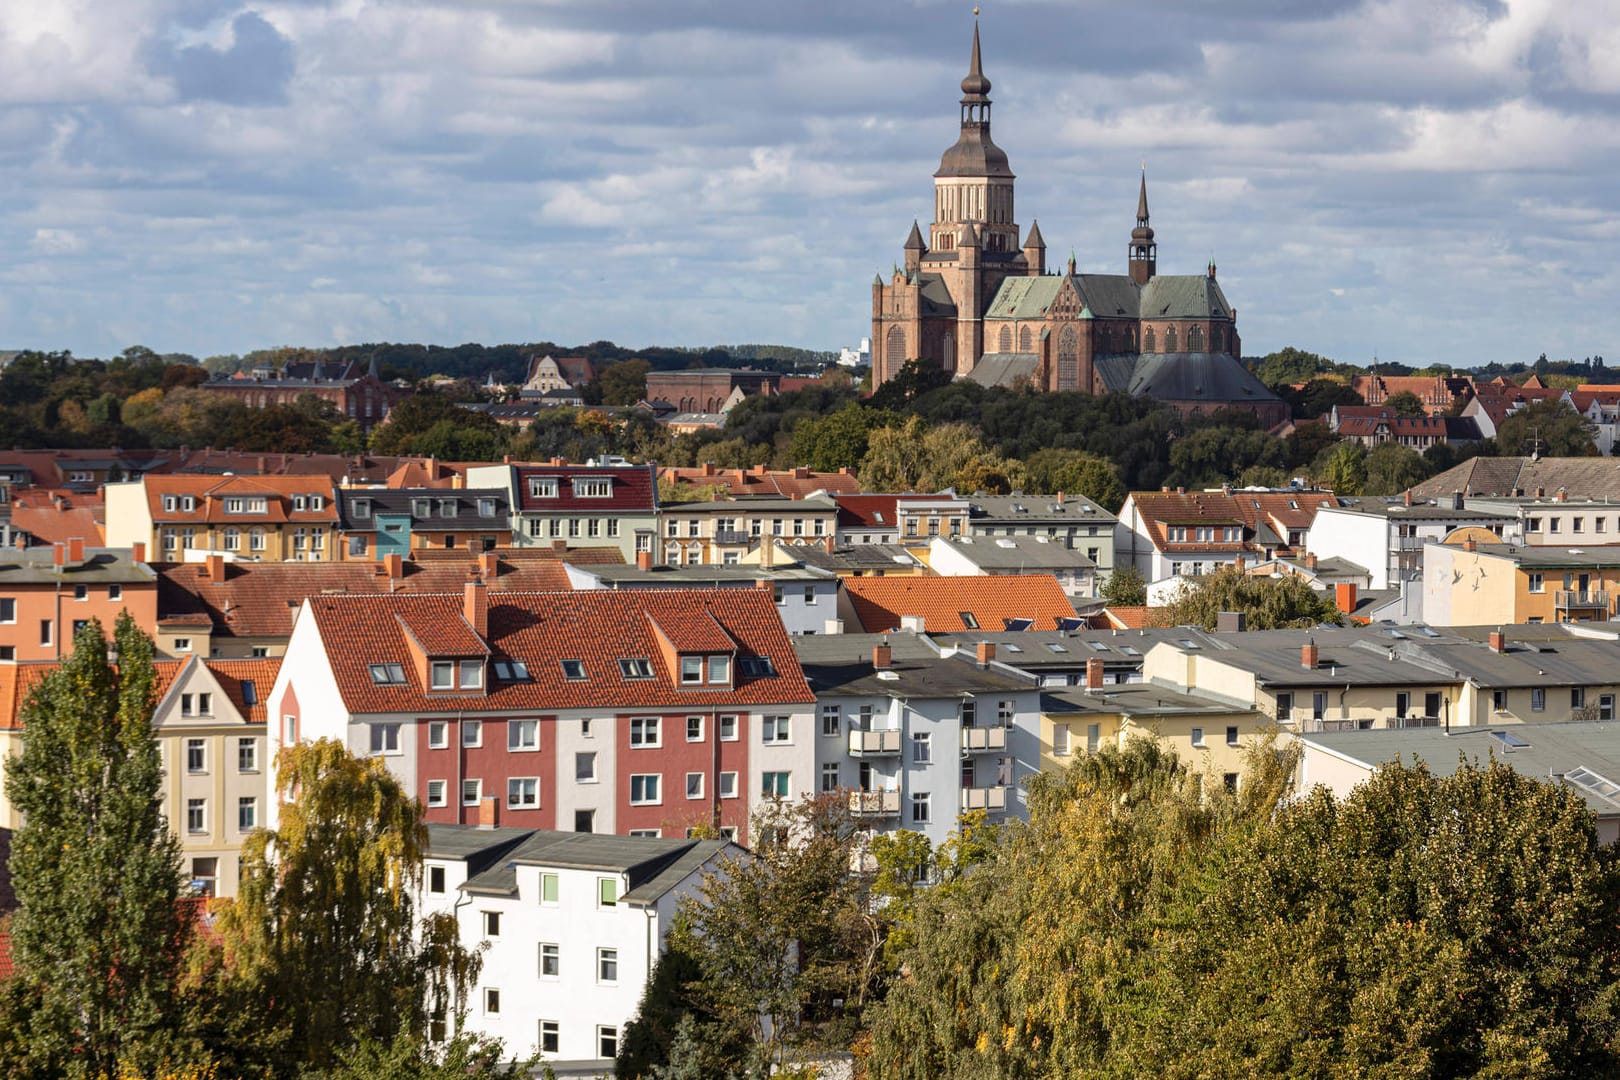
{"x": 17, "y": 681}
{"x": 881, "y": 602}
{"x": 1398, "y": 426}
{"x": 1280, "y": 512}
{"x": 785, "y": 483}
{"x": 440, "y": 634}
{"x": 235, "y": 675}
{"x": 52, "y": 525}
{"x": 692, "y": 631}
{"x": 873, "y": 511}
{"x": 635, "y": 489}
{"x": 596, "y": 627}
{"x": 210, "y": 493}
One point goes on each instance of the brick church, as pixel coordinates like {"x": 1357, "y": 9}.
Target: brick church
{"x": 977, "y": 298}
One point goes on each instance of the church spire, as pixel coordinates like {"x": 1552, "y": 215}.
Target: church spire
{"x": 1144, "y": 253}
{"x": 975, "y": 85}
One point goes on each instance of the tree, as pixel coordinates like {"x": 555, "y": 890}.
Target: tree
{"x": 915, "y": 378}
{"x": 324, "y": 930}
{"x": 1125, "y": 587}
{"x": 1307, "y": 441}
{"x": 100, "y": 930}
{"x": 1318, "y": 397}
{"x": 419, "y": 415}
{"x": 407, "y": 1057}
{"x": 1392, "y": 468}
{"x": 1405, "y": 403}
{"x": 1342, "y": 469}
{"x": 1269, "y": 603}
{"x": 1290, "y": 365}
{"x": 1548, "y": 427}
{"x": 666, "y": 1008}
{"x": 916, "y": 457}
{"x": 1074, "y": 472}
{"x": 1212, "y": 455}
{"x": 624, "y": 383}
{"x": 838, "y": 440}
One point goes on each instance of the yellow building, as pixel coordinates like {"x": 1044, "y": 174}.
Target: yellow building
{"x": 1475, "y": 584}
{"x": 261, "y": 518}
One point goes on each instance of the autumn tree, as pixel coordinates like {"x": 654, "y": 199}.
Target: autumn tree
{"x": 1268, "y": 603}
{"x": 1342, "y": 468}
{"x": 1548, "y": 427}
{"x": 623, "y": 383}
{"x": 915, "y": 457}
{"x": 324, "y": 931}
{"x": 100, "y": 930}
{"x": 838, "y": 440}
{"x": 1125, "y": 587}
{"x": 1074, "y": 472}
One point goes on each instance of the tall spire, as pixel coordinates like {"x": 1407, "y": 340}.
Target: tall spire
{"x": 974, "y": 153}
{"x": 1143, "y": 260}
{"x": 1141, "y": 202}
{"x": 975, "y": 85}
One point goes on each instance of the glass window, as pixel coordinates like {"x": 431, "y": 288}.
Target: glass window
{"x": 550, "y": 960}
{"x": 644, "y": 731}
{"x": 831, "y": 718}
{"x": 777, "y": 729}
{"x": 644, "y": 788}
{"x": 435, "y": 879}
{"x": 492, "y": 1001}
{"x": 472, "y": 733}
{"x": 919, "y": 807}
{"x": 435, "y": 792}
{"x": 443, "y": 674}
{"x": 522, "y": 734}
{"x": 196, "y": 815}
{"x": 523, "y": 792}
{"x": 607, "y": 891}
{"x": 776, "y": 784}
{"x": 247, "y": 813}
{"x": 385, "y": 738}
{"x": 694, "y": 729}
{"x": 471, "y": 792}
{"x": 548, "y": 888}
{"x": 830, "y": 778}
{"x": 1060, "y": 739}
{"x": 472, "y": 674}
{"x": 691, "y": 669}
{"x": 247, "y": 755}
{"x": 1198, "y": 736}
{"x": 438, "y": 734}
{"x": 492, "y": 924}
{"x": 573, "y": 669}
{"x": 1538, "y": 699}
{"x": 585, "y": 767}
{"x": 196, "y": 755}
{"x": 549, "y": 1037}
{"x": 607, "y": 1042}
{"x": 607, "y": 965}
{"x": 719, "y": 669}
{"x": 922, "y": 747}
{"x": 728, "y": 785}
{"x": 694, "y": 785}
{"x": 728, "y": 728}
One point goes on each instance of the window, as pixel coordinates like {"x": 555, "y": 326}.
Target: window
{"x": 492, "y": 1001}
{"x": 636, "y": 668}
{"x": 8, "y": 609}
{"x": 472, "y": 733}
{"x": 1060, "y": 740}
{"x": 919, "y": 807}
{"x": 170, "y": 502}
{"x": 492, "y": 924}
{"x": 435, "y": 792}
{"x": 196, "y": 815}
{"x": 181, "y": 644}
{"x": 755, "y": 666}
{"x": 968, "y": 619}
{"x": 644, "y": 789}
{"x": 438, "y": 734}
{"x": 256, "y": 539}
{"x": 1553, "y": 524}
{"x": 691, "y": 669}
{"x": 777, "y": 729}
{"x": 247, "y": 813}
{"x": 831, "y": 718}
{"x": 585, "y": 728}
{"x": 607, "y": 1042}
{"x": 1318, "y": 704}
{"x": 512, "y": 670}
{"x": 728, "y": 728}
{"x": 593, "y": 488}
{"x": 1537, "y": 583}
{"x": 548, "y": 888}
{"x": 573, "y": 670}
{"x": 443, "y": 675}
{"x": 523, "y": 792}
{"x": 644, "y": 731}
{"x": 922, "y": 747}
{"x": 388, "y": 674}
{"x": 1231, "y": 736}
{"x": 607, "y": 892}
{"x": 1093, "y": 737}
{"x": 607, "y": 965}
{"x": 1577, "y": 697}
{"x": 436, "y": 879}
{"x": 1230, "y": 782}
{"x": 196, "y": 755}
{"x": 81, "y": 592}
{"x": 542, "y": 487}
{"x": 719, "y": 669}
{"x": 585, "y": 821}
{"x": 472, "y": 674}
{"x": 471, "y": 792}
{"x": 1198, "y": 736}
{"x": 1499, "y": 700}
{"x": 1285, "y": 708}
{"x": 550, "y": 959}
{"x": 694, "y": 729}
{"x": 1605, "y": 706}
{"x": 830, "y": 780}
{"x": 1538, "y": 696}
{"x": 728, "y": 785}
{"x": 585, "y": 767}
{"x": 549, "y": 1038}
{"x": 694, "y": 785}
{"x": 522, "y": 734}
{"x": 1004, "y": 713}
{"x": 776, "y": 784}
{"x": 385, "y": 738}
{"x": 247, "y": 755}
{"x": 197, "y": 704}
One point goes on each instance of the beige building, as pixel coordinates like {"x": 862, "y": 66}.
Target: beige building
{"x": 257, "y": 518}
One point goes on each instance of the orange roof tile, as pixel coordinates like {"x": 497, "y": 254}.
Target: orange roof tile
{"x": 993, "y": 601}
{"x": 17, "y": 681}
{"x": 51, "y": 525}
{"x": 235, "y": 676}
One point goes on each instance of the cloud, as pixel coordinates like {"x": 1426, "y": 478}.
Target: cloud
{"x": 252, "y": 68}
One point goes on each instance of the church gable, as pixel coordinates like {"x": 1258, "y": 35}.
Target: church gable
{"x": 1184, "y": 296}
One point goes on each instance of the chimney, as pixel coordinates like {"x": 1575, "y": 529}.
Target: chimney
{"x": 559, "y": 545}
{"x": 1308, "y": 654}
{"x": 488, "y": 564}
{"x": 475, "y": 606}
{"x": 643, "y": 560}
{"x": 985, "y": 653}
{"x": 1498, "y": 641}
{"x": 489, "y": 812}
{"x": 882, "y": 656}
{"x": 1407, "y": 497}
{"x": 75, "y": 551}
{"x": 137, "y": 551}
{"x": 1181, "y": 491}
{"x": 1345, "y": 596}
{"x": 1060, "y": 498}
{"x": 1231, "y": 622}
{"x": 58, "y": 554}
{"x": 1470, "y": 544}
{"x": 1560, "y": 495}
{"x": 830, "y": 543}
{"x": 1094, "y": 673}
{"x": 708, "y": 468}
{"x": 216, "y": 568}
{"x": 767, "y": 551}
{"x": 1456, "y": 500}
{"x": 1239, "y": 564}
{"x": 1310, "y": 561}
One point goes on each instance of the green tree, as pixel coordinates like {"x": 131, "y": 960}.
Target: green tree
{"x": 1392, "y": 468}
{"x": 99, "y": 933}
{"x": 324, "y": 930}
{"x": 1074, "y": 472}
{"x": 1125, "y": 587}
{"x": 1289, "y": 365}
{"x": 837, "y": 440}
{"x": 623, "y": 383}
{"x": 1262, "y": 476}
{"x": 1212, "y": 455}
{"x": 667, "y": 1005}
{"x": 1270, "y": 603}
{"x": 1405, "y": 403}
{"x": 419, "y": 415}
{"x": 408, "y": 1057}
{"x": 1342, "y": 469}
{"x": 1318, "y": 397}
{"x": 914, "y": 379}
{"x": 1549, "y": 427}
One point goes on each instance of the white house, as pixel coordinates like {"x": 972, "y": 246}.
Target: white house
{"x": 1387, "y": 535}
{"x": 569, "y": 924}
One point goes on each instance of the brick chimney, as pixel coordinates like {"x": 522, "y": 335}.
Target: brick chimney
{"x": 882, "y": 656}
{"x": 58, "y": 554}
{"x": 708, "y": 468}
{"x": 985, "y": 653}
{"x": 1344, "y": 596}
{"x": 1498, "y": 641}
{"x": 75, "y": 551}
{"x": 559, "y": 545}
{"x": 489, "y": 812}
{"x": 1470, "y": 544}
{"x": 394, "y": 565}
{"x": 1094, "y": 673}
{"x": 215, "y": 568}
{"x": 1239, "y": 563}
{"x": 475, "y": 606}
{"x": 1310, "y": 561}
{"x": 1407, "y": 497}
{"x": 1308, "y": 654}
{"x": 488, "y": 565}
{"x": 137, "y": 551}
{"x": 643, "y": 560}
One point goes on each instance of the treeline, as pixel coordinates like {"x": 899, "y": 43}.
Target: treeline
{"x": 1292, "y": 365}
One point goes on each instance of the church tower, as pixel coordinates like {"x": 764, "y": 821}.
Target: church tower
{"x": 1144, "y": 253}
{"x": 974, "y": 183}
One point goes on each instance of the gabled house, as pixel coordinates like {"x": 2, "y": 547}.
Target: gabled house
{"x": 1174, "y": 534}
{"x": 911, "y": 520}
{"x": 643, "y": 711}
{"x": 264, "y": 518}
{"x": 577, "y": 505}
{"x": 377, "y": 522}
{"x": 948, "y": 604}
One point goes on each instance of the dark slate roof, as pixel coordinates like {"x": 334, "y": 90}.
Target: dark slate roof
{"x": 1109, "y": 295}
{"x": 842, "y": 664}
{"x": 477, "y": 847}
{"x": 1031, "y": 509}
{"x": 1033, "y": 238}
{"x": 858, "y": 557}
{"x": 395, "y": 501}
{"x": 37, "y": 566}
{"x": 936, "y": 298}
{"x": 1004, "y": 369}
{"x": 1580, "y": 477}
{"x": 1185, "y": 296}
{"x": 653, "y": 865}
{"x": 1213, "y": 377}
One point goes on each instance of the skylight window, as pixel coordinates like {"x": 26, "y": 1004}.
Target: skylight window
{"x": 636, "y": 667}
{"x": 1187, "y": 643}
{"x": 1018, "y": 624}
{"x": 512, "y": 670}
{"x": 1510, "y": 740}
{"x": 1097, "y": 646}
{"x": 755, "y": 666}
{"x": 388, "y": 674}
{"x": 1052, "y": 646}
{"x": 250, "y": 692}
{"x": 1130, "y": 650}
{"x": 968, "y": 620}
{"x": 573, "y": 669}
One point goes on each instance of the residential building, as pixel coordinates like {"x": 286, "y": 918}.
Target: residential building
{"x": 570, "y": 927}
{"x": 910, "y": 520}
{"x": 578, "y": 505}
{"x": 1063, "y": 658}
{"x": 946, "y": 604}
{"x": 1554, "y": 519}
{"x": 1600, "y": 404}
{"x": 1525, "y": 477}
{"x": 1494, "y": 403}
{"x": 723, "y": 532}
{"x": 264, "y": 518}
{"x": 1073, "y": 520}
{"x": 1439, "y": 393}
{"x": 856, "y": 560}
{"x": 1010, "y": 555}
{"x": 918, "y": 734}
{"x": 1483, "y": 583}
{"x": 806, "y": 597}
{"x": 1387, "y": 535}
{"x": 1373, "y": 427}
{"x": 643, "y": 711}
{"x": 357, "y": 394}
{"x": 795, "y": 483}
{"x": 1176, "y": 534}
{"x": 377, "y": 522}
{"x": 548, "y": 374}
{"x": 47, "y": 593}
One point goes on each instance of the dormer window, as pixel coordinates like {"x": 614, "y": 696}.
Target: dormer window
{"x": 299, "y": 502}
{"x": 486, "y": 508}
{"x": 636, "y": 668}
{"x": 388, "y": 674}
{"x": 188, "y": 503}
{"x": 573, "y": 670}
{"x": 593, "y": 487}
{"x": 447, "y": 508}
{"x": 472, "y": 674}
{"x": 442, "y": 675}
{"x": 362, "y": 508}
{"x": 691, "y": 670}
{"x": 421, "y": 508}
{"x": 170, "y": 503}
{"x": 719, "y": 669}
{"x": 316, "y": 502}
{"x": 542, "y": 487}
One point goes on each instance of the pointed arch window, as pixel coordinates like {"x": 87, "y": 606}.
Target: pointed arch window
{"x": 894, "y": 348}
{"x": 1195, "y": 338}
{"x": 1026, "y": 340}
{"x": 1006, "y": 341}
{"x": 1169, "y": 339}
{"x": 1068, "y": 359}
{"x": 1148, "y": 341}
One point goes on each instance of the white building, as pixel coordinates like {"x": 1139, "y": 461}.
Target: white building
{"x": 569, "y": 924}
{"x": 1387, "y": 535}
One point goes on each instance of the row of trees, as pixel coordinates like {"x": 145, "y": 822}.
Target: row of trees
{"x": 321, "y": 969}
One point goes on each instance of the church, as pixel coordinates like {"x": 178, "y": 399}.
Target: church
{"x": 976, "y": 297}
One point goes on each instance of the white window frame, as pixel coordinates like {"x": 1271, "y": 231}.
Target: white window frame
{"x": 696, "y": 793}
{"x": 518, "y": 795}
{"x": 639, "y": 726}
{"x": 645, "y": 782}
{"x": 522, "y": 736}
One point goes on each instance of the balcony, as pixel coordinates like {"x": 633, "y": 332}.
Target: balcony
{"x": 874, "y": 804}
{"x": 1578, "y": 600}
{"x": 874, "y": 743}
{"x": 984, "y": 738}
{"x": 984, "y": 798}
{"x": 1399, "y": 722}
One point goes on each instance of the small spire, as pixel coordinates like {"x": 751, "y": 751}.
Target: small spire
{"x": 371, "y": 369}
{"x": 1034, "y": 238}
{"x": 914, "y": 242}
{"x": 969, "y": 237}
{"x": 1141, "y": 199}
{"x": 1071, "y": 262}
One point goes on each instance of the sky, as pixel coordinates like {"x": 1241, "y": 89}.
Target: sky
{"x": 1418, "y": 181}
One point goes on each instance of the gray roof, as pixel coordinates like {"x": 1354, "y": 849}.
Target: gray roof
{"x": 37, "y": 566}
{"x": 1213, "y": 377}
{"x": 1131, "y": 699}
{"x": 748, "y": 504}
{"x": 1024, "y": 297}
{"x": 1342, "y": 660}
{"x": 1004, "y": 369}
{"x": 709, "y": 574}
{"x": 936, "y": 298}
{"x": 654, "y": 865}
{"x": 1184, "y": 296}
{"x": 857, "y": 557}
{"x": 1545, "y": 556}
{"x": 842, "y": 664}
{"x": 475, "y": 846}
{"x": 1032, "y": 553}
{"x": 1109, "y": 295}
{"x": 1528, "y": 663}
{"x": 1420, "y": 510}
{"x": 396, "y": 501}
{"x": 1580, "y": 477}
{"x": 1019, "y": 509}
{"x": 1552, "y": 751}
